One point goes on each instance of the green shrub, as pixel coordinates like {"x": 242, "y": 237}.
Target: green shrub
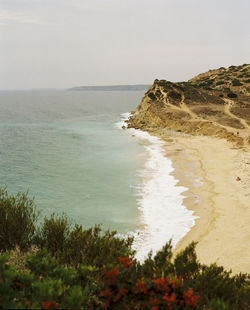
{"x": 152, "y": 96}
{"x": 232, "y": 95}
{"x": 124, "y": 284}
{"x": 95, "y": 247}
{"x": 236, "y": 83}
{"x": 18, "y": 216}
{"x": 160, "y": 264}
{"x": 219, "y": 83}
{"x": 54, "y": 234}
{"x": 186, "y": 264}
{"x": 91, "y": 269}
{"x": 175, "y": 95}
{"x": 77, "y": 246}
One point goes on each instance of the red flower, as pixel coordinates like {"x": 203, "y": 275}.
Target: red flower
{"x": 140, "y": 287}
{"x": 122, "y": 292}
{"x": 154, "y": 301}
{"x": 190, "y": 299}
{"x": 107, "y": 293}
{"x": 111, "y": 275}
{"x": 160, "y": 285}
{"x": 171, "y": 298}
{"x": 117, "y": 297}
{"x": 126, "y": 262}
{"x": 49, "y": 305}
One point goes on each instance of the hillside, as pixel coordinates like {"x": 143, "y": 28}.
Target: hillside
{"x": 215, "y": 103}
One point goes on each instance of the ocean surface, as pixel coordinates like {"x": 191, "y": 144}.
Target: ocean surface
{"x": 68, "y": 149}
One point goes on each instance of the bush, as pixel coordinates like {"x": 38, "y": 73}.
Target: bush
{"x": 232, "y": 95}
{"x": 186, "y": 263}
{"x": 152, "y": 96}
{"x": 173, "y": 94}
{"x": 54, "y": 234}
{"x": 96, "y": 248}
{"x": 119, "y": 291}
{"x": 74, "y": 268}
{"x": 220, "y": 83}
{"x": 236, "y": 83}
{"x": 77, "y": 246}
{"x": 214, "y": 282}
{"x": 47, "y": 284}
{"x": 18, "y": 216}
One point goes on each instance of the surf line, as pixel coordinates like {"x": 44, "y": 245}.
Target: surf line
{"x": 160, "y": 200}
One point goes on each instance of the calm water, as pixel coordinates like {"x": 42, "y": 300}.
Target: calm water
{"x": 64, "y": 148}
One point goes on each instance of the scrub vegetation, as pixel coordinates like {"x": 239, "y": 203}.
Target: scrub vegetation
{"x": 55, "y": 265}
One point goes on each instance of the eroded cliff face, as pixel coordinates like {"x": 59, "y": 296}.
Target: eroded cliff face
{"x": 216, "y": 103}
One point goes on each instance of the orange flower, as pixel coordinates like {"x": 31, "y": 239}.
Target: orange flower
{"x": 49, "y": 305}
{"x": 190, "y": 299}
{"x": 154, "y": 301}
{"x": 160, "y": 285}
{"x": 107, "y": 293}
{"x": 123, "y": 291}
{"x": 126, "y": 262}
{"x": 117, "y": 297}
{"x": 140, "y": 287}
{"x": 111, "y": 275}
{"x": 171, "y": 298}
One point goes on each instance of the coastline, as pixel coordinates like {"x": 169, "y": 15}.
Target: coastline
{"x": 217, "y": 176}
{"x": 163, "y": 215}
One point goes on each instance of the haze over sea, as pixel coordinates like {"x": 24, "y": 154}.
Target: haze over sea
{"x": 66, "y": 148}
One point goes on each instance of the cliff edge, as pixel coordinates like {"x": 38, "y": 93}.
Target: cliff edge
{"x": 215, "y": 103}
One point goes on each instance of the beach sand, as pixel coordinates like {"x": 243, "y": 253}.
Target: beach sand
{"x": 218, "y": 177}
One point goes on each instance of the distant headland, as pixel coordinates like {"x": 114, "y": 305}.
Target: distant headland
{"x": 112, "y": 87}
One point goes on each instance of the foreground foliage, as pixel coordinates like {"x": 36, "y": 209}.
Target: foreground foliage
{"x": 56, "y": 266}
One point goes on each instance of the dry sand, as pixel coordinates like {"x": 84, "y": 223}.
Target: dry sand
{"x": 218, "y": 177}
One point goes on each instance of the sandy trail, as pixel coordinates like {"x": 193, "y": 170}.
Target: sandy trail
{"x": 227, "y": 108}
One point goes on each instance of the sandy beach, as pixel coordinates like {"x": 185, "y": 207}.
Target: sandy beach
{"x": 218, "y": 177}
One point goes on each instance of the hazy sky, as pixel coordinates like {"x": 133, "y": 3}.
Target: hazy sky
{"x": 64, "y": 43}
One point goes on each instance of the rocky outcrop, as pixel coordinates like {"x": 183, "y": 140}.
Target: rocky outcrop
{"x": 216, "y": 103}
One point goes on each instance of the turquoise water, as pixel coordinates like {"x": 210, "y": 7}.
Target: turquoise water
{"x": 64, "y": 148}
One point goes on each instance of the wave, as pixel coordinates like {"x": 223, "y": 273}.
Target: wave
{"x": 160, "y": 200}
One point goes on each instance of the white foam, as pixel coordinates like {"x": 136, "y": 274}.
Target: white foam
{"x": 122, "y": 123}
{"x": 163, "y": 215}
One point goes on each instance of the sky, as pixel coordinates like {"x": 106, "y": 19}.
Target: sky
{"x": 66, "y": 43}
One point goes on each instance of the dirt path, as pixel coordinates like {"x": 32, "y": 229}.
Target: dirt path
{"x": 228, "y": 106}
{"x": 183, "y": 107}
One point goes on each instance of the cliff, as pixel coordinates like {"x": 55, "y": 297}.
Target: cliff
{"x": 215, "y": 103}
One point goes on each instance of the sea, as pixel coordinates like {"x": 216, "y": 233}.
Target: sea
{"x": 72, "y": 152}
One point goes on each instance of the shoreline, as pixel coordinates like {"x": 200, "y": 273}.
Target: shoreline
{"x": 217, "y": 176}
{"x": 161, "y": 221}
